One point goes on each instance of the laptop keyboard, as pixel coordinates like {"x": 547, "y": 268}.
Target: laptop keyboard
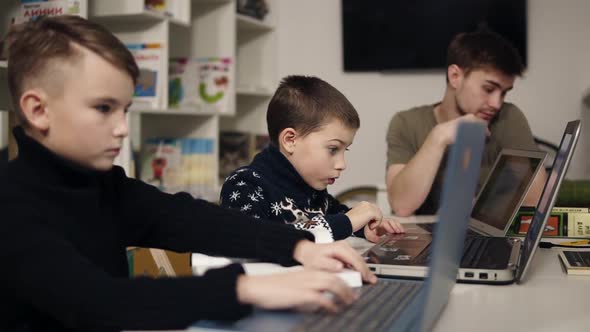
{"x": 577, "y": 258}
{"x": 431, "y": 228}
{"x": 376, "y": 309}
{"x": 474, "y": 248}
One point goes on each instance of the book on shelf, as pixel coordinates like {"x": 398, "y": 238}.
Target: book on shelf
{"x": 162, "y": 6}
{"x": 175, "y": 165}
{"x": 575, "y": 261}
{"x": 160, "y": 163}
{"x": 149, "y": 59}
{"x": 237, "y": 149}
{"x": 32, "y": 10}
{"x": 563, "y": 222}
{"x": 201, "y": 83}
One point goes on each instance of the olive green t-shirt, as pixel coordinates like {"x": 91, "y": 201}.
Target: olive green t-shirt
{"x": 408, "y": 130}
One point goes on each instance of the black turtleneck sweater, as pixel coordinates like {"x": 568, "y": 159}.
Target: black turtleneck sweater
{"x": 270, "y": 188}
{"x": 64, "y": 230}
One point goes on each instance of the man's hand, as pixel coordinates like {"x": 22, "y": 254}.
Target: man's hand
{"x": 302, "y": 290}
{"x": 446, "y": 132}
{"x": 374, "y": 230}
{"x": 332, "y": 257}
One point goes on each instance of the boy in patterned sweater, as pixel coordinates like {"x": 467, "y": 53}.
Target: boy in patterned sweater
{"x": 310, "y": 124}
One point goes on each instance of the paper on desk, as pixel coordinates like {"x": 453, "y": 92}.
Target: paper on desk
{"x": 201, "y": 263}
{"x": 256, "y": 269}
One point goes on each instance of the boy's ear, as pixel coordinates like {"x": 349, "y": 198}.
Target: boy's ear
{"x": 288, "y": 139}
{"x": 455, "y": 75}
{"x": 33, "y": 105}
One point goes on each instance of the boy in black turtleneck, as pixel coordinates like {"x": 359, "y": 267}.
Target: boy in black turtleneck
{"x": 310, "y": 125}
{"x": 68, "y": 214}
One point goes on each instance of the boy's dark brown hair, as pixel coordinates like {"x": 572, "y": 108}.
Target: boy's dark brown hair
{"x": 306, "y": 103}
{"x": 484, "y": 49}
{"x": 37, "y": 49}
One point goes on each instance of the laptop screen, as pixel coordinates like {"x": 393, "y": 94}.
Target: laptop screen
{"x": 505, "y": 189}
{"x": 564, "y": 154}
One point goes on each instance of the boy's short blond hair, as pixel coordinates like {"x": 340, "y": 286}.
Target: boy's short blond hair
{"x": 306, "y": 103}
{"x": 38, "y": 50}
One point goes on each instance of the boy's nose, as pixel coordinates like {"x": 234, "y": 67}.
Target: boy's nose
{"x": 121, "y": 129}
{"x": 340, "y": 164}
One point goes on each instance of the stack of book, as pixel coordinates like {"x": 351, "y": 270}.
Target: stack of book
{"x": 203, "y": 84}
{"x": 175, "y": 165}
{"x": 563, "y": 222}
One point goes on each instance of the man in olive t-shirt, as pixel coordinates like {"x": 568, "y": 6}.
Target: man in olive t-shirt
{"x": 481, "y": 69}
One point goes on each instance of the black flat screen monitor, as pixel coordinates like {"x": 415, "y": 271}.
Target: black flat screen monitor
{"x": 385, "y": 35}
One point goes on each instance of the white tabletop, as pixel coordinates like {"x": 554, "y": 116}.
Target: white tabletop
{"x": 546, "y": 300}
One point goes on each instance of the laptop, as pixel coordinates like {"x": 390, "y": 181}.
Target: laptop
{"x": 400, "y": 305}
{"x": 486, "y": 259}
{"x": 503, "y": 192}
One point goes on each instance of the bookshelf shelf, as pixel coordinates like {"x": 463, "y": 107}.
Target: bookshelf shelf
{"x": 145, "y": 16}
{"x": 246, "y": 23}
{"x": 135, "y": 11}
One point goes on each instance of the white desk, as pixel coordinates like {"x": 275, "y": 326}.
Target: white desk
{"x": 547, "y": 300}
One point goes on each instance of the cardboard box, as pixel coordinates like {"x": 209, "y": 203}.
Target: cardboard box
{"x": 142, "y": 263}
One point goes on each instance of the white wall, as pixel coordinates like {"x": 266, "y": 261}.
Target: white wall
{"x": 558, "y": 74}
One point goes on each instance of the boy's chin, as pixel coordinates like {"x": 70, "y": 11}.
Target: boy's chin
{"x": 320, "y": 186}
{"x": 102, "y": 166}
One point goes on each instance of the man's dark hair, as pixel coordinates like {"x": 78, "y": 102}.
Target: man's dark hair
{"x": 306, "y": 103}
{"x": 484, "y": 49}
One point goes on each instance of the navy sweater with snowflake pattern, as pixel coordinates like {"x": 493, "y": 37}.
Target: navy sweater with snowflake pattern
{"x": 271, "y": 189}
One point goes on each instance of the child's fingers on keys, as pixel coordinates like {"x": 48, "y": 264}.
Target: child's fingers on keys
{"x": 373, "y": 224}
{"x": 314, "y": 300}
{"x": 388, "y": 227}
{"x": 340, "y": 291}
{"x": 399, "y": 228}
{"x": 348, "y": 255}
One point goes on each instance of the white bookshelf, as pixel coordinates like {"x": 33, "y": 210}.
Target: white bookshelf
{"x": 193, "y": 28}
{"x": 246, "y": 23}
{"x": 256, "y": 77}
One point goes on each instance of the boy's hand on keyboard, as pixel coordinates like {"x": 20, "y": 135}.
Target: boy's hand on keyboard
{"x": 374, "y": 230}
{"x": 362, "y": 214}
{"x": 331, "y": 257}
{"x": 303, "y": 290}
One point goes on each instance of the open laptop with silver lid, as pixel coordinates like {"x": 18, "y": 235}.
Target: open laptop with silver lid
{"x": 527, "y": 247}
{"x": 501, "y": 261}
{"x": 498, "y": 201}
{"x": 548, "y": 197}
{"x": 397, "y": 311}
